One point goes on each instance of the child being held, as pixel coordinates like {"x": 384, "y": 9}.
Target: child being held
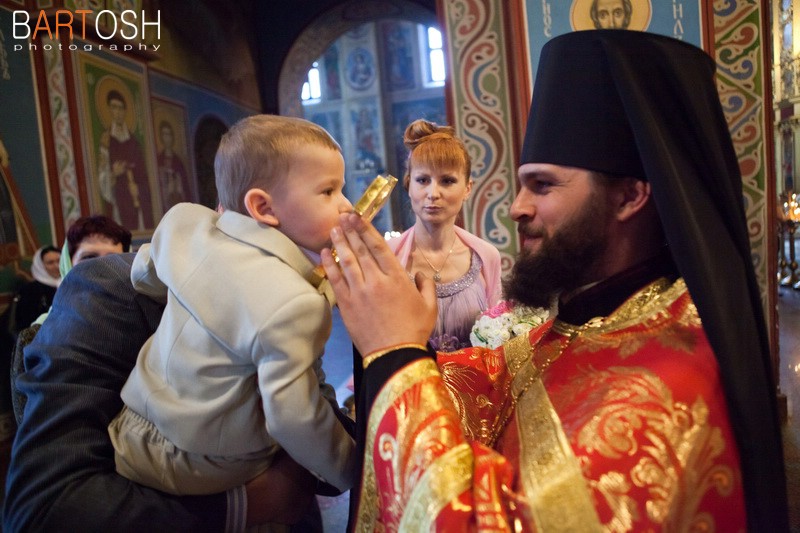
{"x": 233, "y": 372}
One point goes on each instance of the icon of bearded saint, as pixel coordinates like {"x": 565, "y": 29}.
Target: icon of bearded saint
{"x": 610, "y": 14}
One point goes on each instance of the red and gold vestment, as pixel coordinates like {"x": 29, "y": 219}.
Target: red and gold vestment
{"x": 619, "y": 424}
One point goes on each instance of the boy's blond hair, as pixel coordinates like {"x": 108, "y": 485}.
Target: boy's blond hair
{"x": 257, "y": 152}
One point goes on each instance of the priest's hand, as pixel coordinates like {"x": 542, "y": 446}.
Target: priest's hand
{"x": 381, "y": 307}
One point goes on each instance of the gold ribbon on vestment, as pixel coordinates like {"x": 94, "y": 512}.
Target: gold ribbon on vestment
{"x": 549, "y": 472}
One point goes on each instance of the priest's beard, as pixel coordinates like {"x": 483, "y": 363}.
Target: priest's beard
{"x": 565, "y": 261}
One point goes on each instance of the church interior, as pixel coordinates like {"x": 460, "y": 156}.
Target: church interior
{"x": 184, "y": 72}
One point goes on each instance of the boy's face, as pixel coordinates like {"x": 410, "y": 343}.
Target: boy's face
{"x": 308, "y": 200}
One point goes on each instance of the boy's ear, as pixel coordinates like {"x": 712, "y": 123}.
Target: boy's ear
{"x": 258, "y": 203}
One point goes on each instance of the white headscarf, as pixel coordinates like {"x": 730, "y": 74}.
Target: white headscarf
{"x": 39, "y": 271}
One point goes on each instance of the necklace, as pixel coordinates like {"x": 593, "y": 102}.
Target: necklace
{"x": 437, "y": 277}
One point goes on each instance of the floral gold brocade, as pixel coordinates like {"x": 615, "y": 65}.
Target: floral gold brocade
{"x": 676, "y": 446}
{"x": 420, "y": 458}
{"x": 478, "y": 386}
{"x": 647, "y": 456}
{"x": 648, "y": 310}
{"x": 449, "y": 476}
{"x": 618, "y": 425}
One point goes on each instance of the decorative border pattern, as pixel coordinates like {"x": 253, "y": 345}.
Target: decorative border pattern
{"x": 62, "y": 134}
{"x": 738, "y": 42}
{"x": 481, "y": 104}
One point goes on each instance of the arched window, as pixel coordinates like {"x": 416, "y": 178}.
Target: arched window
{"x": 434, "y": 74}
{"x": 365, "y": 88}
{"x": 312, "y": 89}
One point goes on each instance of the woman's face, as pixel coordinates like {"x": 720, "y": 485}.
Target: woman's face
{"x": 50, "y": 261}
{"x": 437, "y": 194}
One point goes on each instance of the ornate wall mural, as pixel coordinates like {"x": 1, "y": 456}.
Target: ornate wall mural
{"x": 481, "y": 104}
{"x": 62, "y": 136}
{"x": 738, "y": 40}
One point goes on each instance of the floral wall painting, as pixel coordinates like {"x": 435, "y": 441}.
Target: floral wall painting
{"x": 176, "y": 182}
{"x": 115, "y": 123}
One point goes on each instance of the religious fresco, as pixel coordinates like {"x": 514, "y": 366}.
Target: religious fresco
{"x": 176, "y": 179}
{"x": 331, "y": 121}
{"x": 330, "y": 65}
{"x": 24, "y": 214}
{"x": 17, "y": 241}
{"x": 398, "y": 59}
{"x": 547, "y": 19}
{"x": 365, "y": 154}
{"x": 360, "y": 70}
{"x": 208, "y": 116}
{"x": 367, "y": 133}
{"x": 480, "y": 99}
{"x": 115, "y": 120}
{"x": 20, "y": 130}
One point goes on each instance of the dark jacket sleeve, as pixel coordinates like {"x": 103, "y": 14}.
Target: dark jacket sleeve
{"x": 62, "y": 475}
{"x": 34, "y": 298}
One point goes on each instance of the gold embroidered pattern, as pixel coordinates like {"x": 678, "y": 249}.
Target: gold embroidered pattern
{"x": 674, "y": 446}
{"x": 678, "y": 448}
{"x": 459, "y": 380}
{"x": 414, "y": 426}
{"x": 526, "y": 367}
{"x": 678, "y": 455}
{"x": 549, "y": 471}
{"x": 646, "y": 309}
{"x": 474, "y": 386}
{"x": 368, "y": 506}
{"x": 443, "y": 481}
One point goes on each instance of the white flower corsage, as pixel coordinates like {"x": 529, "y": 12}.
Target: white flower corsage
{"x": 504, "y": 321}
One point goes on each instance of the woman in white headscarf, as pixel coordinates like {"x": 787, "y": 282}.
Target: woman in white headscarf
{"x": 35, "y": 297}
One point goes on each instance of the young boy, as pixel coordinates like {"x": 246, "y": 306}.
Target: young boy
{"x": 233, "y": 372}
